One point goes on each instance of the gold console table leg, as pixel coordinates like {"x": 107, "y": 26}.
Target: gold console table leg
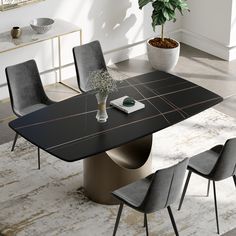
{"x": 105, "y": 172}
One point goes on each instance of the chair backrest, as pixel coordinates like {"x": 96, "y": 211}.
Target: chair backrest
{"x": 25, "y": 86}
{"x": 225, "y": 167}
{"x": 88, "y": 58}
{"x": 165, "y": 187}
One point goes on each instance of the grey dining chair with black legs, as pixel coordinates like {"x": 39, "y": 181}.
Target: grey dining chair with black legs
{"x": 155, "y": 192}
{"x": 88, "y": 58}
{"x": 26, "y": 91}
{"x": 215, "y": 164}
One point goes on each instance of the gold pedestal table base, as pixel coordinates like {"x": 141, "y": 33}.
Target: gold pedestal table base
{"x": 105, "y": 172}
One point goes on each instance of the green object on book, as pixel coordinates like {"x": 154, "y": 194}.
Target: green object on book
{"x": 128, "y": 102}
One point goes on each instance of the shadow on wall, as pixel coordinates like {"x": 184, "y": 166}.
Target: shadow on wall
{"x": 147, "y": 22}
{"x": 111, "y": 22}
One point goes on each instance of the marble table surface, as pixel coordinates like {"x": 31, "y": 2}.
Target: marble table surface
{"x": 70, "y": 131}
{"x": 28, "y": 37}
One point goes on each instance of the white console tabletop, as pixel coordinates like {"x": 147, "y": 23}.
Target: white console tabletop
{"x": 29, "y": 37}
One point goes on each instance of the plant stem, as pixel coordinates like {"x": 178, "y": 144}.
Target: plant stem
{"x": 162, "y": 32}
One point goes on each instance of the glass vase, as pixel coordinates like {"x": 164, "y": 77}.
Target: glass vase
{"x": 101, "y": 111}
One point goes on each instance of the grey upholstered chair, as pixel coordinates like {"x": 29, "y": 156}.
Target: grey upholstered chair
{"x": 155, "y": 192}
{"x": 215, "y": 164}
{"x": 88, "y": 58}
{"x": 26, "y": 91}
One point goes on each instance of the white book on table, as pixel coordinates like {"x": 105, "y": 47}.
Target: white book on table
{"x": 118, "y": 103}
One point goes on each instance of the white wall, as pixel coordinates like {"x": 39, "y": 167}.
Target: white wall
{"x": 232, "y": 52}
{"x": 115, "y": 23}
{"x": 208, "y": 26}
{"x": 233, "y": 24}
{"x": 210, "y": 19}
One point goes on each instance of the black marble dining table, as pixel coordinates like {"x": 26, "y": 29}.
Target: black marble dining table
{"x": 69, "y": 130}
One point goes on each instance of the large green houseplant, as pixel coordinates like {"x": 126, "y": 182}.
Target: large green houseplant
{"x": 163, "y": 11}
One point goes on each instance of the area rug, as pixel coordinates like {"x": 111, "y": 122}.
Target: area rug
{"x": 51, "y": 201}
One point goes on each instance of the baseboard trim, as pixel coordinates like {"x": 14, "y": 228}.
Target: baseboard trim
{"x": 192, "y": 39}
{"x": 232, "y": 53}
{"x": 135, "y": 49}
{"x": 139, "y": 48}
{"x": 208, "y": 45}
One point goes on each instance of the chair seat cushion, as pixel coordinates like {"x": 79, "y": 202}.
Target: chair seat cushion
{"x": 133, "y": 194}
{"x": 31, "y": 108}
{"x": 204, "y": 162}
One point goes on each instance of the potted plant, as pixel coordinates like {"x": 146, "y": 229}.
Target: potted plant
{"x": 163, "y": 53}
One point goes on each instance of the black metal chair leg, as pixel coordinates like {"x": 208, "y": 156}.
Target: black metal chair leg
{"x": 234, "y": 177}
{"x": 173, "y": 221}
{"x": 38, "y": 158}
{"x": 146, "y": 223}
{"x": 14, "y": 142}
{"x": 185, "y": 189}
{"x": 118, "y": 218}
{"x": 216, "y": 210}
{"x": 208, "y": 188}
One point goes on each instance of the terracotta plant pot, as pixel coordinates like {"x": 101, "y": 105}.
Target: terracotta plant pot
{"x": 164, "y": 59}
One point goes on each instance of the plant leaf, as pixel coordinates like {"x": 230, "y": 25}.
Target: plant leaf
{"x": 164, "y": 10}
{"x": 142, "y": 3}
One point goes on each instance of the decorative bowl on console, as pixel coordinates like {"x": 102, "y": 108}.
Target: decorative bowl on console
{"x": 41, "y": 25}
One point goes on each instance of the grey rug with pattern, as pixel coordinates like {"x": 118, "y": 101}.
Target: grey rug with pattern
{"x": 51, "y": 201}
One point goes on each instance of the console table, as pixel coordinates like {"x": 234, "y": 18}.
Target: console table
{"x": 116, "y": 152}
{"x": 29, "y": 37}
